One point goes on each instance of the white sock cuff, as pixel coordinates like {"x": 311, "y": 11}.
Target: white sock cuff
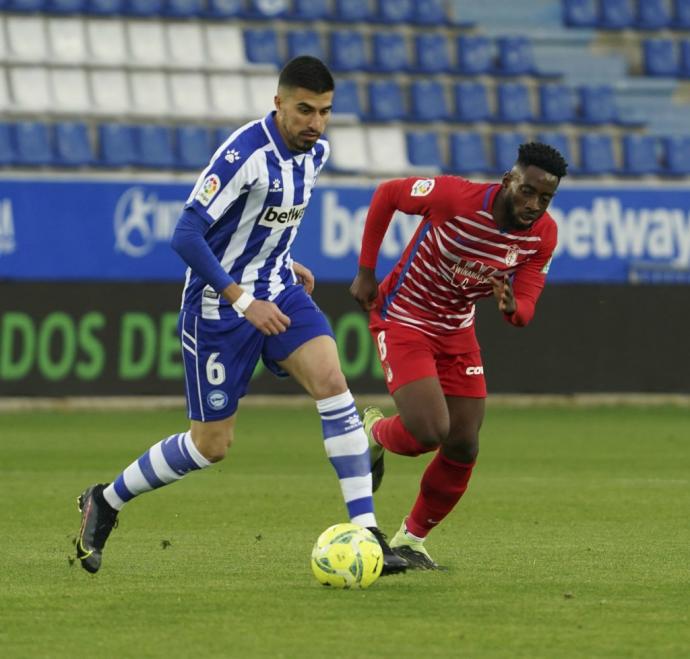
{"x": 194, "y": 451}
{"x": 335, "y": 402}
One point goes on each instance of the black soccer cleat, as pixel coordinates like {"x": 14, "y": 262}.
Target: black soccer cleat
{"x": 417, "y": 560}
{"x": 392, "y": 562}
{"x": 98, "y": 519}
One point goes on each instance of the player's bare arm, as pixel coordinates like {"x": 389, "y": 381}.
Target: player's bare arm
{"x": 264, "y": 315}
{"x": 503, "y": 292}
{"x": 304, "y": 276}
{"x": 364, "y": 288}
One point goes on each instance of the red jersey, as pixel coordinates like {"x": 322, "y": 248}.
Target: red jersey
{"x": 457, "y": 248}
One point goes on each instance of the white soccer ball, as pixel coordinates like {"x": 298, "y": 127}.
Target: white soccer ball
{"x": 347, "y": 556}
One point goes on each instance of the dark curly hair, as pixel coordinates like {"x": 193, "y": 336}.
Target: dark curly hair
{"x": 307, "y": 72}
{"x": 543, "y": 156}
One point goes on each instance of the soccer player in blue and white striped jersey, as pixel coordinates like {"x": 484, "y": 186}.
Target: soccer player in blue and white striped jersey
{"x": 245, "y": 299}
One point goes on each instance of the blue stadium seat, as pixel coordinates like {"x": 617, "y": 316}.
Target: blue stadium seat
{"x": 348, "y": 51}
{"x": 423, "y": 149}
{"x": 305, "y": 42}
{"x": 225, "y": 8}
{"x": 660, "y": 57}
{"x": 353, "y": 10}
{"x": 428, "y": 101}
{"x": 560, "y": 142}
{"x": 557, "y": 103}
{"x": 677, "y": 155}
{"x": 471, "y": 102}
{"x": 640, "y": 155}
{"x": 431, "y": 53}
{"x": 194, "y": 147}
{"x": 65, "y": 6}
{"x": 116, "y": 145}
{"x": 596, "y": 154}
{"x": 681, "y": 14}
{"x": 598, "y": 104}
{"x": 386, "y": 101}
{"x": 261, "y": 46}
{"x": 310, "y": 10}
{"x": 24, "y": 5}
{"x": 221, "y": 134}
{"x": 72, "y": 144}
{"x": 468, "y": 153}
{"x": 684, "y": 64}
{"x": 266, "y": 9}
{"x": 515, "y": 56}
{"x": 395, "y": 11}
{"x": 33, "y": 143}
{"x": 513, "y": 103}
{"x": 7, "y": 151}
{"x": 389, "y": 52}
{"x": 154, "y": 146}
{"x": 105, "y": 7}
{"x": 144, "y": 7}
{"x": 616, "y": 14}
{"x": 580, "y": 13}
{"x": 653, "y": 14}
{"x": 185, "y": 8}
{"x": 475, "y": 55}
{"x": 506, "y": 149}
{"x": 430, "y": 12}
{"x": 346, "y": 99}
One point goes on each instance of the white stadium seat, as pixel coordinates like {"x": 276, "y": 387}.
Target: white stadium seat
{"x": 348, "y": 148}
{"x": 262, "y": 90}
{"x": 70, "y": 90}
{"x": 185, "y": 45}
{"x": 188, "y": 95}
{"x": 67, "y": 40}
{"x": 387, "y": 149}
{"x": 146, "y": 43}
{"x": 149, "y": 94}
{"x": 110, "y": 92}
{"x": 5, "y": 101}
{"x": 228, "y": 96}
{"x": 26, "y": 39}
{"x": 31, "y": 88}
{"x": 106, "y": 41}
{"x": 225, "y": 47}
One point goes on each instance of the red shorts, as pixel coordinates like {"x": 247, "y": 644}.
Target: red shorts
{"x": 408, "y": 355}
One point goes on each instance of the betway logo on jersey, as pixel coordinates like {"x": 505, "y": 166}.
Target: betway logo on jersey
{"x": 608, "y": 230}
{"x": 281, "y": 217}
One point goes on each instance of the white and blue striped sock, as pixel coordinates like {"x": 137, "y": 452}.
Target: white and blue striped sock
{"x": 348, "y": 450}
{"x": 163, "y": 463}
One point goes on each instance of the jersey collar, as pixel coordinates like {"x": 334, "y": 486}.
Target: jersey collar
{"x": 278, "y": 142}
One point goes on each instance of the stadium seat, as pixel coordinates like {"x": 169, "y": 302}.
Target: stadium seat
{"x": 262, "y": 90}
{"x": 471, "y": 102}
{"x": 225, "y": 47}
{"x": 24, "y": 5}
{"x": 70, "y": 89}
{"x": 348, "y": 51}
{"x": 149, "y": 94}
{"x": 154, "y": 146}
{"x": 348, "y": 149}
{"x": 261, "y": 46}
{"x": 513, "y": 103}
{"x": 616, "y": 14}
{"x": 346, "y": 99}
{"x": 677, "y": 155}
{"x": 144, "y": 7}
{"x": 26, "y": 39}
{"x": 580, "y": 13}
{"x": 386, "y": 102}
{"x": 597, "y": 104}
{"x": 304, "y": 42}
{"x": 185, "y": 45}
{"x": 596, "y": 154}
{"x": 8, "y": 154}
{"x": 184, "y": 8}
{"x": 640, "y": 155}
{"x": 506, "y": 149}
{"x": 110, "y": 92}
{"x": 557, "y": 103}
{"x": 67, "y": 40}
{"x": 475, "y": 55}
{"x": 224, "y": 90}
{"x": 653, "y": 14}
{"x": 660, "y": 57}
{"x": 33, "y": 143}
{"x": 431, "y": 53}
{"x": 105, "y": 7}
{"x": 560, "y": 142}
{"x": 116, "y": 146}
{"x": 423, "y": 149}
{"x": 681, "y": 14}
{"x": 224, "y": 8}
{"x": 65, "y": 6}
{"x": 31, "y": 88}
{"x": 106, "y": 41}
{"x": 395, "y": 11}
{"x": 389, "y": 52}
{"x": 352, "y": 10}
{"x": 72, "y": 145}
{"x": 188, "y": 95}
{"x": 430, "y": 12}
{"x": 468, "y": 153}
{"x": 387, "y": 149}
{"x": 515, "y": 56}
{"x": 194, "y": 147}
{"x": 684, "y": 64}
{"x": 428, "y": 101}
{"x": 147, "y": 47}
{"x": 266, "y": 9}
{"x": 5, "y": 102}
{"x": 310, "y": 10}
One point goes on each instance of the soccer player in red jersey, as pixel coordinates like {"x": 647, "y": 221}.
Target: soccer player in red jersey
{"x": 474, "y": 240}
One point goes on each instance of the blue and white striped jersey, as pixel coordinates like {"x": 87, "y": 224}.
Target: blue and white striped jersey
{"x": 253, "y": 195}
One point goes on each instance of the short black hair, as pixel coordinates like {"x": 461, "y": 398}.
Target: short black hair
{"x": 307, "y": 72}
{"x": 543, "y": 156}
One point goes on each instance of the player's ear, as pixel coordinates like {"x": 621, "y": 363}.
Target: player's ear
{"x": 277, "y": 101}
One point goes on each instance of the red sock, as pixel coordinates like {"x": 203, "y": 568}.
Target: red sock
{"x": 392, "y": 435}
{"x": 443, "y": 483}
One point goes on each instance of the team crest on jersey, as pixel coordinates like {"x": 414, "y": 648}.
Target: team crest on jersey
{"x": 512, "y": 255}
{"x": 208, "y": 190}
{"x": 422, "y": 187}
{"x": 388, "y": 371}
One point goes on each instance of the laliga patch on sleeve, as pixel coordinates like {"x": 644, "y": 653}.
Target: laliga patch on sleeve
{"x": 546, "y": 267}
{"x": 208, "y": 190}
{"x": 423, "y": 187}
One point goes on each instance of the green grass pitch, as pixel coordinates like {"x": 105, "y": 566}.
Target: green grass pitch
{"x": 572, "y": 541}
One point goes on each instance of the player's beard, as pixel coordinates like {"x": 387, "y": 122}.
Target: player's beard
{"x": 512, "y": 219}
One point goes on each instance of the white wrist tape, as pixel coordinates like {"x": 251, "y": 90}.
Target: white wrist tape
{"x": 242, "y": 302}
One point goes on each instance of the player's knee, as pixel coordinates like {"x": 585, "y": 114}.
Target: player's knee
{"x": 330, "y": 382}
{"x": 428, "y": 431}
{"x": 462, "y": 448}
{"x": 213, "y": 445}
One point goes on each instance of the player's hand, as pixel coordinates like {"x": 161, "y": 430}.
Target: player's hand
{"x": 267, "y": 317}
{"x": 503, "y": 292}
{"x": 304, "y": 276}
{"x": 364, "y": 288}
